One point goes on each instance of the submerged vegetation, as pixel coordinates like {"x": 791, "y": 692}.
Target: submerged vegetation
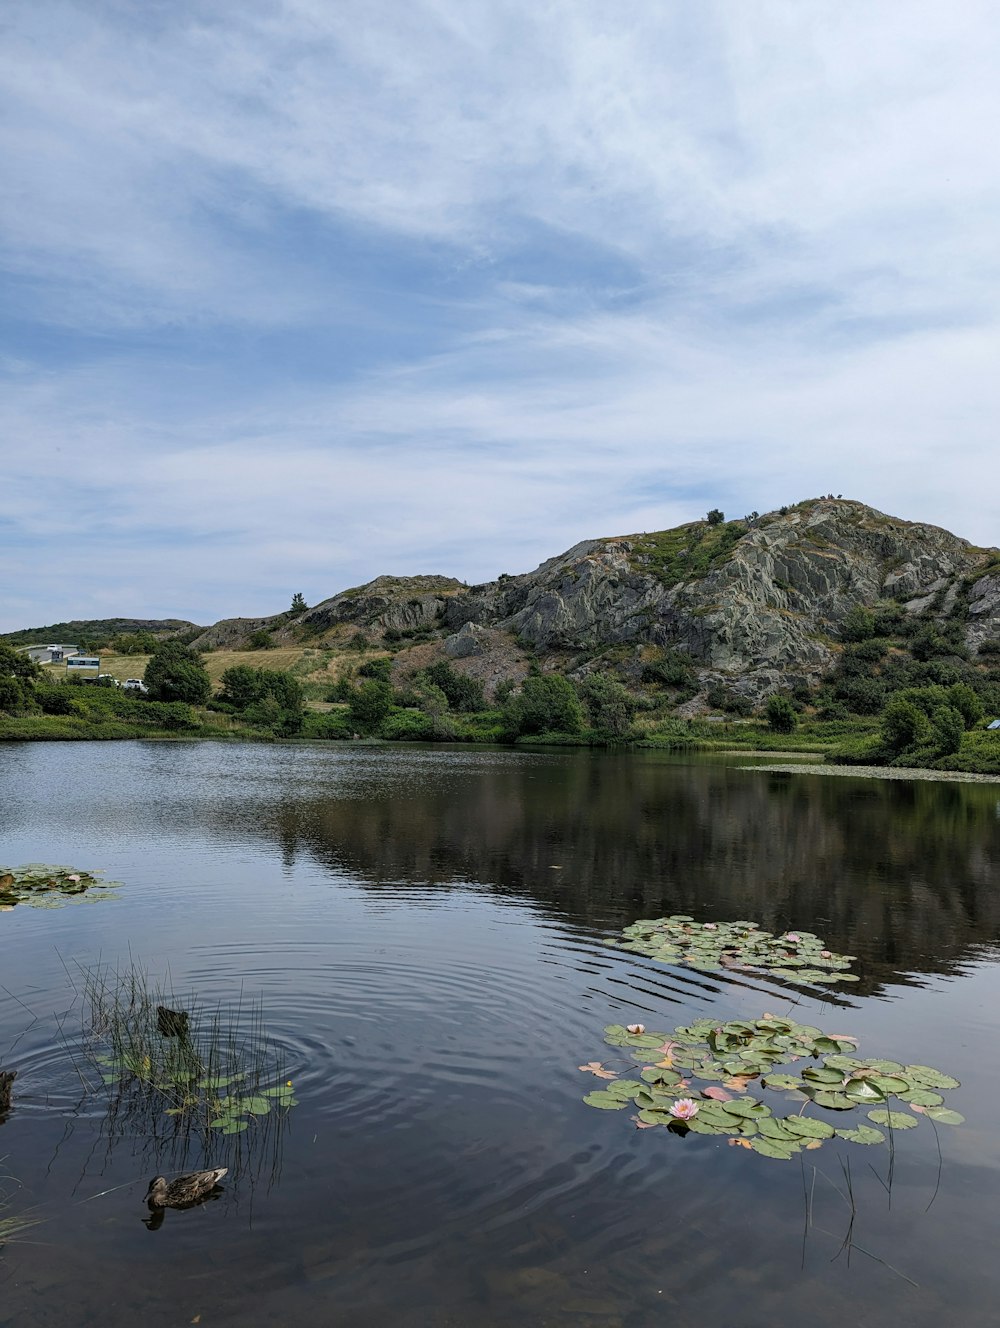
{"x": 768, "y": 1054}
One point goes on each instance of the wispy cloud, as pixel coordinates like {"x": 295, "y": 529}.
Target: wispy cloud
{"x": 298, "y": 293}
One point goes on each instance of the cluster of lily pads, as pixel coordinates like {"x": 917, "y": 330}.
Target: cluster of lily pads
{"x": 795, "y": 956}
{"x": 46, "y": 886}
{"x": 766, "y": 1054}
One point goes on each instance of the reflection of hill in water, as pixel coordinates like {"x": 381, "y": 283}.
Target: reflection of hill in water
{"x": 901, "y": 874}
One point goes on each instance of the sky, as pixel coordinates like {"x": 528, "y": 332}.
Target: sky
{"x": 298, "y": 293}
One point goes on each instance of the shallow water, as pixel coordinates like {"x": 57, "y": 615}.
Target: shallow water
{"x": 423, "y": 930}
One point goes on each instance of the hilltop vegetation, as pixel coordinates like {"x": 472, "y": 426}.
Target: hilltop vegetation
{"x": 824, "y": 624}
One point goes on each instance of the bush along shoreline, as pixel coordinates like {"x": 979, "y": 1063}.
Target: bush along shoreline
{"x": 931, "y": 714}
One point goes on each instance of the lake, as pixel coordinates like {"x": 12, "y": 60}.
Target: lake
{"x": 423, "y": 930}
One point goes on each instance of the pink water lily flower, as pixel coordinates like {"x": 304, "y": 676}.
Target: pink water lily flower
{"x": 72, "y": 877}
{"x": 684, "y": 1108}
{"x": 711, "y": 926}
{"x": 635, "y": 1028}
{"x": 792, "y": 936}
{"x": 826, "y": 954}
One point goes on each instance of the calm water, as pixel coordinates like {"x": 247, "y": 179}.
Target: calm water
{"x": 423, "y": 928}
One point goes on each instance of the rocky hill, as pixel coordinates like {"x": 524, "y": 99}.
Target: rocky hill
{"x": 751, "y": 605}
{"x": 740, "y": 607}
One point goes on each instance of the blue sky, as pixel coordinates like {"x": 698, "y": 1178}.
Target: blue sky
{"x": 298, "y": 293}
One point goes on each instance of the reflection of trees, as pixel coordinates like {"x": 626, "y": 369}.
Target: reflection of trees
{"x": 901, "y": 874}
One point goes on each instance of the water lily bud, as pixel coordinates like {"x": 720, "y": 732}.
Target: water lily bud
{"x": 635, "y": 1028}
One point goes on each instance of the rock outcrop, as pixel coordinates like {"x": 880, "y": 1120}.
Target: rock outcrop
{"x": 754, "y": 605}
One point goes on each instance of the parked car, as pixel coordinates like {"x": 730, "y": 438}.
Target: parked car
{"x": 135, "y": 685}
{"x": 107, "y": 680}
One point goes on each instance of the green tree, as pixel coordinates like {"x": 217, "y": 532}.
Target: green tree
{"x": 963, "y": 699}
{"x": 267, "y": 698}
{"x": 11, "y": 694}
{"x": 947, "y": 730}
{"x": 716, "y": 517}
{"x": 16, "y": 664}
{"x": 611, "y": 705}
{"x": 260, "y": 640}
{"x": 370, "y": 705}
{"x": 904, "y": 724}
{"x": 298, "y": 604}
{"x": 781, "y": 716}
{"x": 546, "y": 704}
{"x": 177, "y": 673}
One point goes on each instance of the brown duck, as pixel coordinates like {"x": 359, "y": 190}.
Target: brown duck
{"x": 183, "y": 1191}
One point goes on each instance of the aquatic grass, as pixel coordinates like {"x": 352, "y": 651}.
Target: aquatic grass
{"x": 181, "y": 1081}
{"x": 13, "y": 1226}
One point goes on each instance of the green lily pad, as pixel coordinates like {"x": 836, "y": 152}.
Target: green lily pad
{"x": 808, "y": 1127}
{"x": 606, "y": 1101}
{"x": 927, "y": 1077}
{"x": 234, "y": 1127}
{"x": 773, "y": 1148}
{"x": 896, "y": 1120}
{"x": 944, "y": 1116}
{"x": 834, "y": 1101}
{"x": 781, "y": 1081}
{"x": 864, "y": 1134}
{"x": 921, "y": 1097}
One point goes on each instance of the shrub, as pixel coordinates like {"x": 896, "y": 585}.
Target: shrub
{"x": 715, "y": 517}
{"x": 546, "y": 704}
{"x": 407, "y": 726}
{"x": 177, "y": 673}
{"x": 380, "y": 668}
{"x": 370, "y": 705}
{"x": 858, "y": 624}
{"x": 11, "y": 694}
{"x": 611, "y": 705}
{"x": 463, "y": 693}
{"x": 903, "y": 724}
{"x": 55, "y": 701}
{"x": 781, "y": 716}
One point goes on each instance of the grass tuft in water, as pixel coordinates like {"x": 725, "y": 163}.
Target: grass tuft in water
{"x": 177, "y": 1065}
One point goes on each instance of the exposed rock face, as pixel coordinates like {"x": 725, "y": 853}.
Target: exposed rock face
{"x": 767, "y": 613}
{"x": 396, "y": 602}
{"x": 984, "y": 611}
{"x": 756, "y": 607}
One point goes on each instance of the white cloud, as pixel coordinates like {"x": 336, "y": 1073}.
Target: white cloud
{"x": 675, "y": 254}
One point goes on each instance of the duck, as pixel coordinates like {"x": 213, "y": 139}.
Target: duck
{"x": 183, "y": 1191}
{"x": 7, "y": 1078}
{"x": 171, "y": 1023}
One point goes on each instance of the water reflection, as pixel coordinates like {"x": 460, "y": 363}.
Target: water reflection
{"x": 901, "y": 874}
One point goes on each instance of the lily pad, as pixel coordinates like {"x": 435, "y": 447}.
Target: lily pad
{"x": 944, "y": 1116}
{"x": 896, "y": 1120}
{"x": 927, "y": 1077}
{"x": 808, "y": 1127}
{"x": 605, "y": 1101}
{"x": 863, "y": 1134}
{"x": 774, "y": 1148}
